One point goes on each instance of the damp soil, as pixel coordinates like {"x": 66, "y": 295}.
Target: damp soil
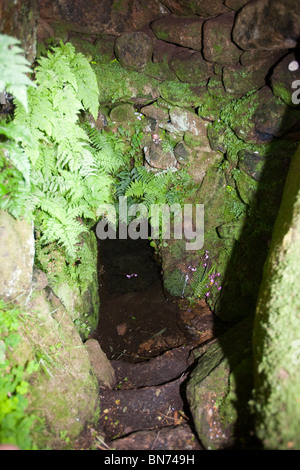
{"x": 149, "y": 338}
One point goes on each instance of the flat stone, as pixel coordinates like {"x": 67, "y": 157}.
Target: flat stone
{"x": 184, "y": 31}
{"x": 217, "y": 43}
{"x": 268, "y": 25}
{"x": 178, "y": 437}
{"x": 155, "y": 112}
{"x": 186, "y": 120}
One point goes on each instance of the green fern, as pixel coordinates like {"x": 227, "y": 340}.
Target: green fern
{"x": 14, "y": 68}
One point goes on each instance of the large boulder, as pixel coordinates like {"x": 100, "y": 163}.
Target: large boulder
{"x": 268, "y": 25}
{"x": 64, "y": 390}
{"x": 16, "y": 257}
{"x": 276, "y": 329}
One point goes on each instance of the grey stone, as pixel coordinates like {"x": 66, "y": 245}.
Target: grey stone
{"x": 16, "y": 257}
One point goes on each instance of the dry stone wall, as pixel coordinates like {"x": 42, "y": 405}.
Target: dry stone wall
{"x": 217, "y": 79}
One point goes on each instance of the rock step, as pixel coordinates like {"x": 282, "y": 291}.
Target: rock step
{"x": 142, "y": 409}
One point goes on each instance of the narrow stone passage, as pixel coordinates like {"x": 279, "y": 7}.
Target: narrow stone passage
{"x": 144, "y": 333}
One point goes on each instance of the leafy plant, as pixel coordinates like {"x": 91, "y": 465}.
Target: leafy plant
{"x": 16, "y": 424}
{"x": 204, "y": 279}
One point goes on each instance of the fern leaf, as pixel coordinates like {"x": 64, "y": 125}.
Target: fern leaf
{"x": 13, "y": 69}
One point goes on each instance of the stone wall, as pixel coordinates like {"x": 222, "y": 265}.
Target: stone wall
{"x": 214, "y": 79}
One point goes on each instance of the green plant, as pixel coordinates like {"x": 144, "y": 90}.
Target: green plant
{"x": 204, "y": 279}
{"x": 16, "y": 424}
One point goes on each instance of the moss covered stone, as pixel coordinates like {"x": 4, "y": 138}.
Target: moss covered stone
{"x": 134, "y": 50}
{"x": 118, "y": 84}
{"x": 191, "y": 67}
{"x": 217, "y": 43}
{"x": 180, "y": 94}
{"x": 64, "y": 391}
{"x": 219, "y": 389}
{"x": 277, "y": 329}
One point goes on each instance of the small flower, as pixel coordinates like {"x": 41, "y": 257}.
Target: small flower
{"x": 219, "y": 288}
{"x": 207, "y": 294}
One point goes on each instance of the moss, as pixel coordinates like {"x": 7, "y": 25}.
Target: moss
{"x": 179, "y": 94}
{"x": 175, "y": 282}
{"x": 117, "y": 84}
{"x": 277, "y": 329}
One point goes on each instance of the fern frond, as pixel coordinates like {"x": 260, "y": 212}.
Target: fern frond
{"x": 14, "y": 69}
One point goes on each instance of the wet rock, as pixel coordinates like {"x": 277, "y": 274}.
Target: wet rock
{"x": 82, "y": 304}
{"x": 268, "y": 25}
{"x": 134, "y": 50}
{"x": 197, "y": 7}
{"x": 179, "y": 437}
{"x": 217, "y": 43}
{"x": 216, "y": 137}
{"x": 285, "y": 73}
{"x": 172, "y": 130}
{"x": 191, "y": 67}
{"x": 125, "y": 411}
{"x": 16, "y": 257}
{"x": 156, "y": 157}
{"x": 100, "y": 364}
{"x": 186, "y": 32}
{"x": 156, "y": 112}
{"x": 156, "y": 371}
